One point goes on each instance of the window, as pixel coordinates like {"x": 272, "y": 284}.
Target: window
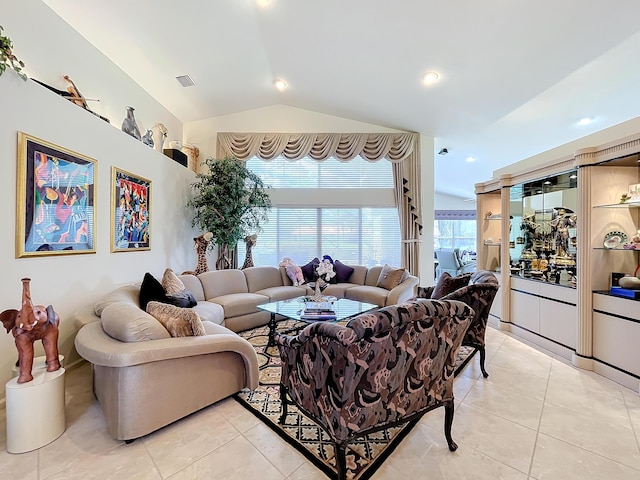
{"x": 455, "y": 234}
{"x": 455, "y": 229}
{"x": 342, "y": 209}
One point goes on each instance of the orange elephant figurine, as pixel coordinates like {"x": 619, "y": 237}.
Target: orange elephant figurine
{"x": 29, "y": 324}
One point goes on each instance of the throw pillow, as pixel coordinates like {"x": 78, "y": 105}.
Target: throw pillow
{"x": 343, "y": 272}
{"x": 309, "y": 270}
{"x": 177, "y": 293}
{"x": 179, "y": 322}
{"x": 183, "y": 299}
{"x": 171, "y": 283}
{"x": 151, "y": 290}
{"x": 448, "y": 284}
{"x": 390, "y": 277}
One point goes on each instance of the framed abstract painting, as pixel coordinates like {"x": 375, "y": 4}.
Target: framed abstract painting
{"x": 130, "y": 212}
{"x": 56, "y": 192}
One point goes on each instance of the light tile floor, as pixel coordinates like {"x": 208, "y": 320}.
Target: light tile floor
{"x": 535, "y": 417}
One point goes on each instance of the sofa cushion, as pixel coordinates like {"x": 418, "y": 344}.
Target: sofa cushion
{"x": 126, "y": 322}
{"x": 179, "y": 322}
{"x": 236, "y": 304}
{"x": 126, "y": 293}
{"x": 309, "y": 270}
{"x": 286, "y": 292}
{"x": 210, "y": 312}
{"x": 259, "y": 278}
{"x": 366, "y": 293}
{"x": 216, "y": 283}
{"x": 343, "y": 272}
{"x": 390, "y": 277}
{"x": 447, "y": 284}
{"x": 193, "y": 284}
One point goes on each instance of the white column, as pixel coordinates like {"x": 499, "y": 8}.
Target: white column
{"x": 584, "y": 343}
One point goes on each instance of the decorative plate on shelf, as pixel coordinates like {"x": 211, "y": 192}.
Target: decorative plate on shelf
{"x": 615, "y": 239}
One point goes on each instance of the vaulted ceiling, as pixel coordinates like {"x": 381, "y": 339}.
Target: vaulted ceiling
{"x": 515, "y": 76}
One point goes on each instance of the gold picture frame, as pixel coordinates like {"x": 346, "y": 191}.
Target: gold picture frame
{"x": 56, "y": 192}
{"x": 130, "y": 211}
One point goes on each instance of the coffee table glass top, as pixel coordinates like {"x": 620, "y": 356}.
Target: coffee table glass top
{"x": 294, "y": 308}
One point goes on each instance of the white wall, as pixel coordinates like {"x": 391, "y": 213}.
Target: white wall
{"x": 451, "y": 202}
{"x": 282, "y": 118}
{"x": 50, "y": 49}
{"x": 72, "y": 281}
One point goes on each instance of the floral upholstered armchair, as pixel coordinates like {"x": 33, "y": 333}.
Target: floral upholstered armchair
{"x": 382, "y": 369}
{"x": 478, "y": 290}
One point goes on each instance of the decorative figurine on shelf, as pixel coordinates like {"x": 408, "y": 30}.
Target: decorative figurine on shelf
{"x": 129, "y": 125}
{"x": 29, "y": 324}
{"x": 634, "y": 244}
{"x": 564, "y": 220}
{"x": 147, "y": 138}
{"x": 250, "y": 241}
{"x": 201, "y": 242}
{"x": 625, "y": 197}
{"x": 159, "y": 136}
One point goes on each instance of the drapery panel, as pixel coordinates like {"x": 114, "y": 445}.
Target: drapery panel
{"x": 402, "y": 149}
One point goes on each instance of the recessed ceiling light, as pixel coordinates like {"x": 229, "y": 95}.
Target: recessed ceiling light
{"x": 263, "y": 3}
{"x": 429, "y": 78}
{"x": 280, "y": 84}
{"x": 470, "y": 159}
{"x": 586, "y": 121}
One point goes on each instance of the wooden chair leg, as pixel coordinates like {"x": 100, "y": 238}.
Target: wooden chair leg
{"x": 283, "y": 403}
{"x": 341, "y": 460}
{"x": 448, "y": 422}
{"x": 483, "y": 355}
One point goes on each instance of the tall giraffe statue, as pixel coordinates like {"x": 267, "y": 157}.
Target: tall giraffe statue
{"x": 200, "y": 245}
{"x": 250, "y": 241}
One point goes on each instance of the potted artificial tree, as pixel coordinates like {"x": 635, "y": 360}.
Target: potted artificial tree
{"x": 231, "y": 202}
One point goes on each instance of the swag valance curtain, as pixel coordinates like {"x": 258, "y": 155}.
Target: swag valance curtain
{"x": 402, "y": 149}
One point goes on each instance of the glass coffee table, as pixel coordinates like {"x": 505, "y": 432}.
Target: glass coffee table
{"x": 294, "y": 309}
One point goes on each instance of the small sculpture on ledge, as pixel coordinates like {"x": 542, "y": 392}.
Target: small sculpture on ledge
{"x": 129, "y": 125}
{"x": 29, "y": 324}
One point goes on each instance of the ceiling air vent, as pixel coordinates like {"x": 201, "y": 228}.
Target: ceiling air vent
{"x": 185, "y": 81}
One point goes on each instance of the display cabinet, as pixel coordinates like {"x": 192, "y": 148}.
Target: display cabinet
{"x": 568, "y": 230}
{"x": 543, "y": 235}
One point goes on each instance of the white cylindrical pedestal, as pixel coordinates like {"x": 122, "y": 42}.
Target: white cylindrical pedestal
{"x": 39, "y": 363}
{"x": 35, "y": 411}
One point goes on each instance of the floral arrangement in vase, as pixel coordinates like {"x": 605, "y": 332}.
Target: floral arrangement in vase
{"x": 324, "y": 272}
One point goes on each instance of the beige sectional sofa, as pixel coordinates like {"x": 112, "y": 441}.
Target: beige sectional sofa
{"x": 144, "y": 379}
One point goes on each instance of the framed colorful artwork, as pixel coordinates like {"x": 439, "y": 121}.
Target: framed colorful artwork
{"x": 130, "y": 212}
{"x": 56, "y": 194}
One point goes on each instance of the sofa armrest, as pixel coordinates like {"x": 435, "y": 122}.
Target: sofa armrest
{"x": 403, "y": 292}
{"x": 95, "y": 346}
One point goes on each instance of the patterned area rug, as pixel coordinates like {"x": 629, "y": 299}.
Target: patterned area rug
{"x": 364, "y": 455}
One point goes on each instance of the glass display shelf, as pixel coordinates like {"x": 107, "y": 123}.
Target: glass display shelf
{"x": 619, "y": 205}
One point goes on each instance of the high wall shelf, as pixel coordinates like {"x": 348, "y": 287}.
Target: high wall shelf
{"x": 572, "y": 312}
